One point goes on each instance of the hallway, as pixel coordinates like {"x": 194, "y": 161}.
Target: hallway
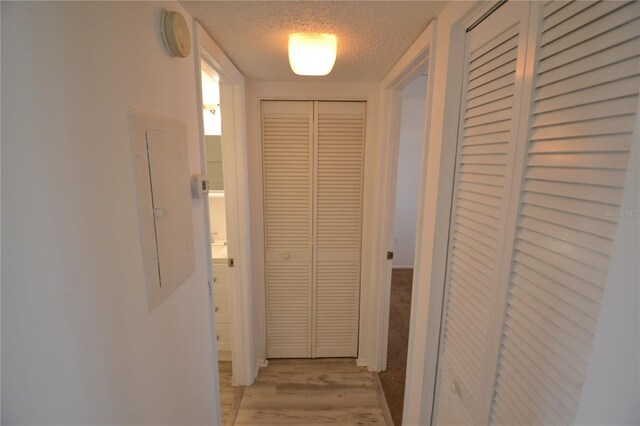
{"x": 313, "y": 391}
{"x": 250, "y": 182}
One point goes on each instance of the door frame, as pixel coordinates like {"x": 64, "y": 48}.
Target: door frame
{"x": 235, "y": 172}
{"x": 306, "y": 91}
{"x": 409, "y": 66}
{"x": 407, "y": 69}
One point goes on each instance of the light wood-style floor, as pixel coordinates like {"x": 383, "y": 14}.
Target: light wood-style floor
{"x": 309, "y": 392}
{"x": 230, "y": 395}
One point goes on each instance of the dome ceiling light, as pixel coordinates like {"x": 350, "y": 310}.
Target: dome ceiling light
{"x": 312, "y": 53}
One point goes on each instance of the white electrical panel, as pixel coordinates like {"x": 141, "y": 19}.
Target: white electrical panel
{"x": 164, "y": 202}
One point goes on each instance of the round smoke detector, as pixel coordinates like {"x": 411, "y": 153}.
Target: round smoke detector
{"x": 175, "y": 34}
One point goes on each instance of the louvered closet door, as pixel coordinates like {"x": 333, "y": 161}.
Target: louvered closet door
{"x": 491, "y": 93}
{"x": 287, "y": 143}
{"x": 585, "y": 102}
{"x": 339, "y": 151}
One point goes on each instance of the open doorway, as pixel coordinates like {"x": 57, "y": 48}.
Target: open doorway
{"x": 212, "y": 119}
{"x": 223, "y": 155}
{"x": 410, "y": 149}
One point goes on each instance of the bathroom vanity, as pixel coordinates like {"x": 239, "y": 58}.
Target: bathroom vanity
{"x": 221, "y": 300}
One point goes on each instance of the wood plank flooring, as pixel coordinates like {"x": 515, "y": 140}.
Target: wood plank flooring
{"x": 230, "y": 395}
{"x": 313, "y": 391}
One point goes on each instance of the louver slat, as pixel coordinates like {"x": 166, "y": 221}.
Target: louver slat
{"x": 287, "y": 135}
{"x": 581, "y": 130}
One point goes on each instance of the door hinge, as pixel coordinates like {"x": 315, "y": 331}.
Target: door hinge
{"x": 209, "y": 285}
{"x": 389, "y": 255}
{"x": 230, "y": 262}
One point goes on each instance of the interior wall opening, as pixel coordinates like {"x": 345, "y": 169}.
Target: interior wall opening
{"x": 410, "y": 154}
{"x": 212, "y": 120}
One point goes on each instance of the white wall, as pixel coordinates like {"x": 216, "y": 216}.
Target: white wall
{"x": 78, "y": 343}
{"x": 611, "y": 392}
{"x": 408, "y": 181}
{"x": 256, "y": 90}
{"x": 217, "y": 218}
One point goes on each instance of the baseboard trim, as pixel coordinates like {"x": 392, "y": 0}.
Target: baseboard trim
{"x": 235, "y": 406}
{"x": 382, "y": 399}
{"x": 361, "y": 362}
{"x": 402, "y": 267}
{"x": 261, "y": 363}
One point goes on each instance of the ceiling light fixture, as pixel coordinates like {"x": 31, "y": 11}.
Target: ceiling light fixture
{"x": 312, "y": 53}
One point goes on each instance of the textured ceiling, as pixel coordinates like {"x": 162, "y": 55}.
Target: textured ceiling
{"x": 372, "y": 35}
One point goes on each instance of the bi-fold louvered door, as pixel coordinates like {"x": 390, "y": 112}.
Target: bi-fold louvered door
{"x": 484, "y": 166}
{"x": 287, "y": 145}
{"x": 339, "y": 143}
{"x": 578, "y": 137}
{"x": 313, "y": 177}
{"x": 533, "y": 224}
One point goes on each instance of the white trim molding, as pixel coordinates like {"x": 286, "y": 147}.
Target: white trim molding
{"x": 412, "y": 63}
{"x": 408, "y": 67}
{"x": 232, "y": 99}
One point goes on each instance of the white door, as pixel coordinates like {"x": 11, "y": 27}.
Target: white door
{"x": 287, "y": 149}
{"x": 313, "y": 177}
{"x": 485, "y": 161}
{"x": 339, "y": 150}
{"x": 575, "y": 151}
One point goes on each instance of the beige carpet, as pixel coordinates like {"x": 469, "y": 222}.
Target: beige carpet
{"x": 393, "y": 379}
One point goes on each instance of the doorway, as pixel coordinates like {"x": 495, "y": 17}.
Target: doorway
{"x": 222, "y": 125}
{"x": 405, "y": 224}
{"x": 212, "y": 120}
